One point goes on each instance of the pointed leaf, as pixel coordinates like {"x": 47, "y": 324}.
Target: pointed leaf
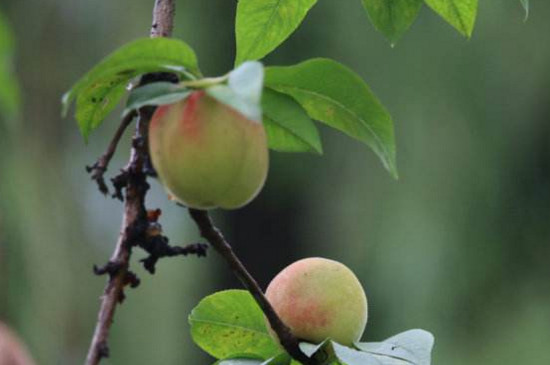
{"x": 158, "y": 93}
{"x": 230, "y": 323}
{"x": 288, "y": 127}
{"x": 322, "y": 353}
{"x": 243, "y": 91}
{"x": 392, "y": 17}
{"x": 228, "y": 96}
{"x": 100, "y": 90}
{"x": 247, "y": 81}
{"x": 281, "y": 359}
{"x": 387, "y": 353}
{"x": 413, "y": 347}
{"x": 350, "y": 356}
{"x": 262, "y": 25}
{"x": 336, "y": 96}
{"x": 461, "y": 14}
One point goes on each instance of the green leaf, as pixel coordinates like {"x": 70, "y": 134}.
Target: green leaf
{"x": 228, "y": 96}
{"x": 323, "y": 353}
{"x": 410, "y": 347}
{"x": 243, "y": 91}
{"x": 350, "y": 356}
{"x": 158, "y": 93}
{"x": 281, "y": 359}
{"x": 336, "y": 96}
{"x": 525, "y": 4}
{"x": 247, "y": 81}
{"x": 230, "y": 323}
{"x": 392, "y": 17}
{"x": 9, "y": 88}
{"x": 461, "y": 14}
{"x": 240, "y": 361}
{"x": 288, "y": 127}
{"x": 262, "y": 25}
{"x": 100, "y": 90}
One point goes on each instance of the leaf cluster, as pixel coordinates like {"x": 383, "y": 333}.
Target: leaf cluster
{"x": 293, "y": 96}
{"x": 288, "y": 98}
{"x": 230, "y": 326}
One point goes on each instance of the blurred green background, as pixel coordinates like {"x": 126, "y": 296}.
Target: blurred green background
{"x": 460, "y": 245}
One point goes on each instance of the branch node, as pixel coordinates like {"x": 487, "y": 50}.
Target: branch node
{"x": 111, "y": 268}
{"x": 132, "y": 279}
{"x": 96, "y": 172}
{"x": 103, "y": 349}
{"x": 157, "y": 246}
{"x": 119, "y": 183}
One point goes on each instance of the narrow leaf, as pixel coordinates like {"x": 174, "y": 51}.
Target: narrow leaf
{"x": 525, "y": 4}
{"x": 336, "y": 96}
{"x": 410, "y": 347}
{"x": 262, "y": 25}
{"x": 461, "y": 14}
{"x": 100, "y": 90}
{"x": 158, "y": 93}
{"x": 392, "y": 17}
{"x": 288, "y": 127}
{"x": 9, "y": 88}
{"x": 229, "y": 324}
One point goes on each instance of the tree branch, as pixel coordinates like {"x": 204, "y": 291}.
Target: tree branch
{"x": 220, "y": 244}
{"x": 163, "y": 18}
{"x": 117, "y": 268}
{"x": 134, "y": 222}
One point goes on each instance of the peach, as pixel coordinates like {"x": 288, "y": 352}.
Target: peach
{"x": 318, "y": 299}
{"x": 208, "y": 154}
{"x": 12, "y": 349}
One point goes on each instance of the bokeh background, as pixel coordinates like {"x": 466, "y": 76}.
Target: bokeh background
{"x": 460, "y": 245}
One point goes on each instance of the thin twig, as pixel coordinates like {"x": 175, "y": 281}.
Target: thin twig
{"x": 98, "y": 169}
{"x": 134, "y": 223}
{"x": 220, "y": 244}
{"x": 157, "y": 245}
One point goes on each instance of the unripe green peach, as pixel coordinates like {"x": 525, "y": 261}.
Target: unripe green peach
{"x": 318, "y": 299}
{"x": 208, "y": 154}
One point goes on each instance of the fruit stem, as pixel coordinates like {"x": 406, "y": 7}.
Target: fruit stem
{"x": 214, "y": 236}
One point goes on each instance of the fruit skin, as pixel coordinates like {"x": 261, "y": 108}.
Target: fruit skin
{"x": 207, "y": 154}
{"x": 318, "y": 299}
{"x": 12, "y": 349}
